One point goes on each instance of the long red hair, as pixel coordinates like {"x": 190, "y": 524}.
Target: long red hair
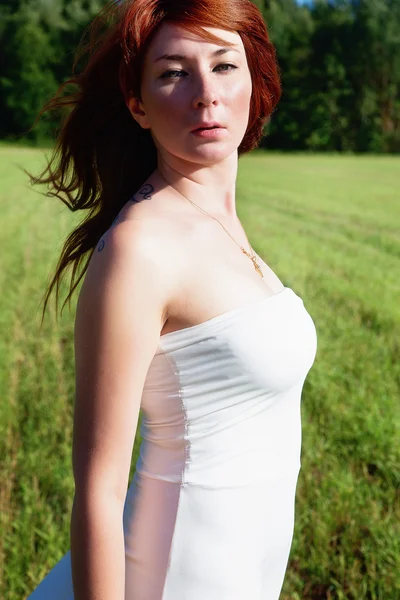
{"x": 102, "y": 155}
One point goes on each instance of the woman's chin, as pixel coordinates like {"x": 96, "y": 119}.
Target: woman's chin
{"x": 211, "y": 153}
{"x": 206, "y": 153}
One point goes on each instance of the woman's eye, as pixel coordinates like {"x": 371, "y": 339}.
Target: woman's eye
{"x": 227, "y": 65}
{"x": 167, "y": 74}
{"x": 172, "y": 73}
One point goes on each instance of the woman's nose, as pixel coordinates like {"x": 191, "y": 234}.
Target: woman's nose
{"x": 206, "y": 92}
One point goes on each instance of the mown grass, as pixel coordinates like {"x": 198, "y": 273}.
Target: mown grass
{"x": 328, "y": 225}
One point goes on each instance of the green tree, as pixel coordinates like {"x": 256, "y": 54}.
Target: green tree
{"x": 38, "y": 40}
{"x": 27, "y": 78}
{"x": 290, "y": 27}
{"x": 374, "y": 58}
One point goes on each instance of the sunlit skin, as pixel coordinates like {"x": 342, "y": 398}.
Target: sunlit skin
{"x": 177, "y": 94}
{"x": 145, "y": 193}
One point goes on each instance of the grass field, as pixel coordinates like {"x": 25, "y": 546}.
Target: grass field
{"x": 329, "y": 227}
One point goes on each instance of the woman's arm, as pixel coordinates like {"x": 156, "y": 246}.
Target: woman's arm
{"x": 120, "y": 312}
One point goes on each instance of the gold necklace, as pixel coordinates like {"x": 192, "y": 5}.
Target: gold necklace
{"x": 252, "y": 258}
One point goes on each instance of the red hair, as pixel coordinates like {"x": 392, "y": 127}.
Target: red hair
{"x": 102, "y": 155}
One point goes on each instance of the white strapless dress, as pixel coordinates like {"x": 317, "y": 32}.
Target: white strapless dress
{"x": 209, "y": 514}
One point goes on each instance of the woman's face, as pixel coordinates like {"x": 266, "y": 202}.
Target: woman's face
{"x": 195, "y": 86}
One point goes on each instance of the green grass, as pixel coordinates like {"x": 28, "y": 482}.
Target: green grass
{"x": 328, "y": 225}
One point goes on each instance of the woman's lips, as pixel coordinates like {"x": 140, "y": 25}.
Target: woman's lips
{"x": 209, "y": 133}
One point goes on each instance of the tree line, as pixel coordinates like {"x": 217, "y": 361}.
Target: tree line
{"x": 339, "y": 63}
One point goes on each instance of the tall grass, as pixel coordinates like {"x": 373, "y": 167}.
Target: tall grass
{"x": 328, "y": 225}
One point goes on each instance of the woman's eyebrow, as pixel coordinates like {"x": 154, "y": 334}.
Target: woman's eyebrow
{"x": 182, "y": 57}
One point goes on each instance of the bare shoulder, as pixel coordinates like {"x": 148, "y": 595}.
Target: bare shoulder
{"x": 132, "y": 257}
{"x": 151, "y": 244}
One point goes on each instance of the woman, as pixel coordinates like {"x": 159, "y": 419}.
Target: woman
{"x": 177, "y": 315}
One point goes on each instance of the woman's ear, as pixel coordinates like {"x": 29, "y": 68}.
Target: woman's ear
{"x": 136, "y": 109}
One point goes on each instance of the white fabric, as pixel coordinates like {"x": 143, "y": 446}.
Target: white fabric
{"x": 209, "y": 514}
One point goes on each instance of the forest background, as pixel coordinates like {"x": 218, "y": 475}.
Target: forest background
{"x": 340, "y": 64}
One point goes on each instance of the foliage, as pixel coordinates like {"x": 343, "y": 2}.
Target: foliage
{"x": 38, "y": 40}
{"x": 340, "y": 64}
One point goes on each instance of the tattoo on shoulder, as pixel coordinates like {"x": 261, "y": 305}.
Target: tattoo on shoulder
{"x": 145, "y": 191}
{"x": 100, "y": 246}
